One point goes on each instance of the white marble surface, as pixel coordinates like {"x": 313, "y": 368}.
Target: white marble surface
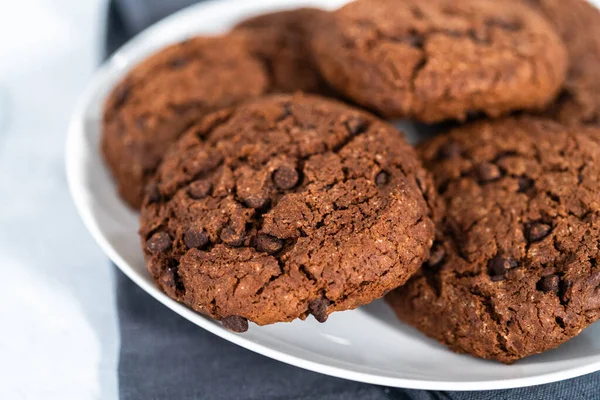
{"x": 58, "y": 336}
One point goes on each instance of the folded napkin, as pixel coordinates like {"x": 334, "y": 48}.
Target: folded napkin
{"x": 164, "y": 356}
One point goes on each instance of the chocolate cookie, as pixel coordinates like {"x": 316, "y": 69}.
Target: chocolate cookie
{"x": 578, "y": 24}
{"x": 282, "y": 39}
{"x": 283, "y": 207}
{"x": 515, "y": 270}
{"x": 441, "y": 59}
{"x": 158, "y": 100}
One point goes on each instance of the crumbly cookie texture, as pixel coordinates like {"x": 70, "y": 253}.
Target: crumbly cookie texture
{"x": 441, "y": 59}
{"x": 286, "y": 206}
{"x": 578, "y": 24}
{"x": 514, "y": 271}
{"x": 282, "y": 40}
{"x": 159, "y": 99}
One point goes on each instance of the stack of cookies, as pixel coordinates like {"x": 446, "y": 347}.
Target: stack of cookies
{"x": 272, "y": 188}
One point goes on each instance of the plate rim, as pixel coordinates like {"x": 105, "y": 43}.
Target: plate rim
{"x": 75, "y": 133}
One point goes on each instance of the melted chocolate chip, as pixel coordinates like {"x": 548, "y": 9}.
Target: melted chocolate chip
{"x": 537, "y": 231}
{"x": 195, "y": 238}
{"x": 231, "y": 237}
{"x": 563, "y": 289}
{"x": 505, "y": 24}
{"x": 413, "y": 40}
{"x": 449, "y": 150}
{"x": 153, "y": 194}
{"x": 479, "y": 36}
{"x": 122, "y": 94}
{"x": 356, "y": 125}
{"x": 140, "y": 122}
{"x": 436, "y": 256}
{"x": 158, "y": 243}
{"x": 255, "y": 201}
{"x": 286, "y": 111}
{"x": 525, "y": 184}
{"x": 177, "y": 63}
{"x": 382, "y": 179}
{"x": 498, "y": 266}
{"x": 199, "y": 189}
{"x": 549, "y": 283}
{"x": 268, "y": 244}
{"x": 235, "y": 323}
{"x": 318, "y": 308}
{"x": 488, "y": 172}
{"x": 285, "y": 177}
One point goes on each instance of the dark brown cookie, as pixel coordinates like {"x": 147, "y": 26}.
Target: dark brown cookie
{"x": 282, "y": 39}
{"x": 578, "y": 24}
{"x": 515, "y": 269}
{"x": 157, "y": 101}
{"x": 283, "y": 207}
{"x": 440, "y": 59}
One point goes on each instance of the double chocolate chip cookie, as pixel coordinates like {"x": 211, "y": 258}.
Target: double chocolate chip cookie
{"x": 515, "y": 270}
{"x": 282, "y": 40}
{"x": 283, "y": 207}
{"x": 441, "y": 59}
{"x": 578, "y": 24}
{"x": 159, "y": 99}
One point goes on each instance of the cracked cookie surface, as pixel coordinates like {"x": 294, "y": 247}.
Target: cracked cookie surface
{"x": 578, "y": 24}
{"x": 159, "y": 98}
{"x": 283, "y": 207}
{"x": 282, "y": 39}
{"x": 440, "y": 59}
{"x": 514, "y": 270}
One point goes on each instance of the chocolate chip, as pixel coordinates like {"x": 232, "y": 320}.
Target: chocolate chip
{"x": 549, "y": 283}
{"x": 525, "y": 184}
{"x": 413, "y": 40}
{"x": 199, "y": 189}
{"x": 235, "y": 323}
{"x": 285, "y": 177}
{"x": 498, "y": 266}
{"x": 382, "y": 178}
{"x": 449, "y": 150}
{"x": 158, "y": 243}
{"x": 488, "y": 172}
{"x": 178, "y": 62}
{"x": 436, "y": 255}
{"x": 537, "y": 231}
{"x": 195, "y": 238}
{"x": 318, "y": 308}
{"x": 356, "y": 125}
{"x": 512, "y": 25}
{"x": 122, "y": 94}
{"x": 286, "y": 111}
{"x": 231, "y": 237}
{"x": 268, "y": 244}
{"x": 420, "y": 185}
{"x": 451, "y": 33}
{"x": 255, "y": 201}
{"x": 152, "y": 193}
{"x": 140, "y": 122}
{"x": 417, "y": 13}
{"x": 479, "y": 36}
{"x": 563, "y": 288}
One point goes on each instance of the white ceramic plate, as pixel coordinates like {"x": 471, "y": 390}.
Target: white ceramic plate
{"x": 367, "y": 344}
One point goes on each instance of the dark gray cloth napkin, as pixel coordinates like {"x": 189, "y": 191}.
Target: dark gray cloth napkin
{"x": 164, "y": 356}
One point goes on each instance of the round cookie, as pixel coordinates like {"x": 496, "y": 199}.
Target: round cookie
{"x": 282, "y": 39}
{"x": 515, "y": 270}
{"x": 159, "y": 98}
{"x": 283, "y": 207}
{"x": 440, "y": 59}
{"x": 578, "y": 24}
